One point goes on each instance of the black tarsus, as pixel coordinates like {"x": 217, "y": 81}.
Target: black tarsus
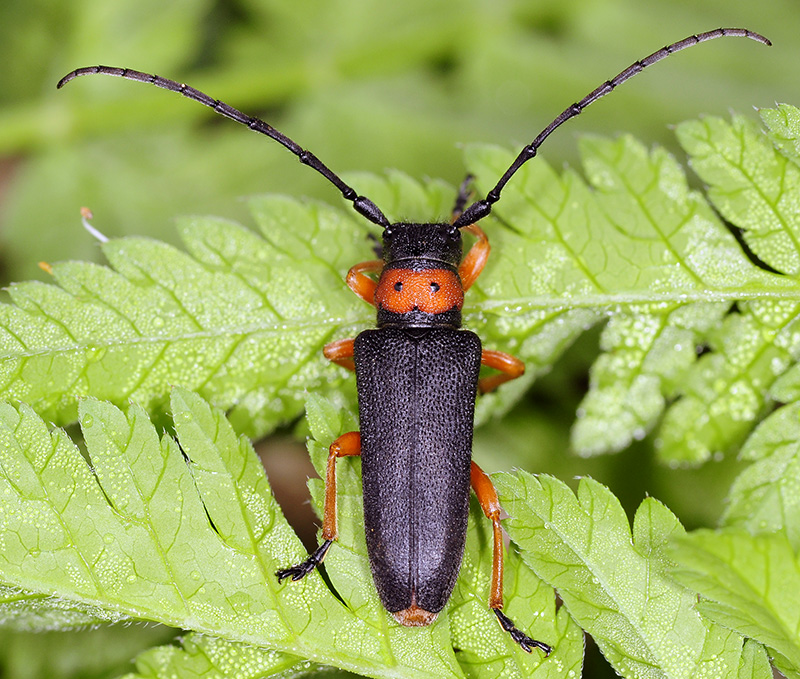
{"x": 305, "y": 567}
{"x": 482, "y": 208}
{"x": 521, "y": 638}
{"x": 362, "y": 205}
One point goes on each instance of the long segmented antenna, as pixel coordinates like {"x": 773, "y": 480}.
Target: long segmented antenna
{"x": 362, "y": 205}
{"x": 480, "y": 209}
{"x": 477, "y": 210}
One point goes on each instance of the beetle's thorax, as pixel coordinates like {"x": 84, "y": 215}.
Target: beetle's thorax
{"x": 419, "y": 286}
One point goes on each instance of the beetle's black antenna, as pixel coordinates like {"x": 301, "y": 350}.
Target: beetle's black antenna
{"x": 362, "y": 205}
{"x": 482, "y": 208}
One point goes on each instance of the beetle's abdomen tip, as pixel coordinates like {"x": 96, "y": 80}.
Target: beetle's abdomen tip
{"x": 414, "y": 616}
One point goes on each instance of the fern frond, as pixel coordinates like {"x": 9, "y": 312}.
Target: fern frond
{"x": 764, "y": 497}
{"x": 615, "y": 581}
{"x": 636, "y": 245}
{"x": 747, "y": 572}
{"x": 237, "y": 318}
{"x": 186, "y": 533}
{"x": 191, "y": 536}
{"x": 748, "y": 583}
{"x": 193, "y": 542}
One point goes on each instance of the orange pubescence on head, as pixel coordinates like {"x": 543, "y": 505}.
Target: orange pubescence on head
{"x": 431, "y": 291}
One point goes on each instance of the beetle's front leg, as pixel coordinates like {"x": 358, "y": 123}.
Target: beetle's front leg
{"x": 360, "y": 283}
{"x": 490, "y": 504}
{"x": 347, "y": 444}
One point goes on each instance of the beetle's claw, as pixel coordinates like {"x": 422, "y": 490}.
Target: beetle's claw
{"x": 295, "y": 572}
{"x": 300, "y": 571}
{"x": 521, "y": 638}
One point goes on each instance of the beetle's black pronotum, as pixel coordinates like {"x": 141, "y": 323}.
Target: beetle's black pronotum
{"x": 417, "y": 377}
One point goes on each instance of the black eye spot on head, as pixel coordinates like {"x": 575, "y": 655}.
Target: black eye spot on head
{"x": 398, "y": 286}
{"x": 434, "y": 286}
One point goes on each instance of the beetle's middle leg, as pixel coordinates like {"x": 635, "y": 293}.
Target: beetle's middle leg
{"x": 347, "y": 444}
{"x": 341, "y": 353}
{"x": 490, "y": 504}
{"x": 510, "y": 368}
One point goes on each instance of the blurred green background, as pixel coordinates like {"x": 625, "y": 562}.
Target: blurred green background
{"x": 366, "y": 86}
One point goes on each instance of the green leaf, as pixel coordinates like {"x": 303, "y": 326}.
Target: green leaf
{"x": 747, "y": 182}
{"x": 755, "y": 663}
{"x": 211, "y": 658}
{"x": 235, "y": 319}
{"x": 748, "y": 572}
{"x": 614, "y": 582}
{"x": 749, "y": 583}
{"x": 784, "y": 125}
{"x": 644, "y": 249}
{"x": 726, "y": 391}
{"x": 764, "y": 497}
{"x": 191, "y": 542}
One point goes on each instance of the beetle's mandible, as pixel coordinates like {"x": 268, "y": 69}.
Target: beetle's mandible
{"x": 417, "y": 379}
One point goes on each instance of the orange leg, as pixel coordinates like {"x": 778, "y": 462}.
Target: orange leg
{"x": 341, "y": 353}
{"x": 509, "y": 366}
{"x": 473, "y": 263}
{"x": 346, "y": 444}
{"x": 490, "y": 504}
{"x": 362, "y": 284}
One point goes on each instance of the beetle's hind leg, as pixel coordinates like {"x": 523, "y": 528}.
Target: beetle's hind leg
{"x": 347, "y": 444}
{"x": 490, "y": 504}
{"x": 521, "y": 638}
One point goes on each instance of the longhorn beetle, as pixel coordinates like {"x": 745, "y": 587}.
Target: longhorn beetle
{"x": 417, "y": 378}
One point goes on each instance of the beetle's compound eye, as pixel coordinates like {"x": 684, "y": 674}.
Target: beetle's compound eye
{"x": 398, "y": 286}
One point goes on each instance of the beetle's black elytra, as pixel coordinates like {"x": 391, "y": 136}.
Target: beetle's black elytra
{"x": 417, "y": 376}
